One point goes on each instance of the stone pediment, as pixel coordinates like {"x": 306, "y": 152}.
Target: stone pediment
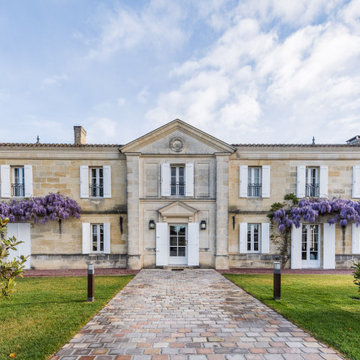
{"x": 178, "y": 138}
{"x": 177, "y": 209}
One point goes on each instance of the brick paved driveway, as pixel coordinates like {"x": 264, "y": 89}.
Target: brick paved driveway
{"x": 192, "y": 315}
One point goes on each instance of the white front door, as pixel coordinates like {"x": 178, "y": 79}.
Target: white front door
{"x": 21, "y": 231}
{"x": 310, "y": 246}
{"x": 178, "y": 244}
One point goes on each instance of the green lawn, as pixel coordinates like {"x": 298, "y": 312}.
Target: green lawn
{"x": 324, "y": 305}
{"x": 44, "y": 313}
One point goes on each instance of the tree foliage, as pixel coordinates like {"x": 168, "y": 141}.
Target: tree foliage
{"x": 356, "y": 273}
{"x": 9, "y": 269}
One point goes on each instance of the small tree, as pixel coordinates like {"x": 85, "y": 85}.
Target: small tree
{"x": 9, "y": 269}
{"x": 356, "y": 273}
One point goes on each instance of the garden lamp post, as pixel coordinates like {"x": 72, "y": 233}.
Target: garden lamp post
{"x": 277, "y": 280}
{"x": 91, "y": 275}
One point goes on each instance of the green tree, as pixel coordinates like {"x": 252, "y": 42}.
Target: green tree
{"x": 9, "y": 269}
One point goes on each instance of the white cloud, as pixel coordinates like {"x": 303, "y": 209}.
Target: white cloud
{"x": 157, "y": 24}
{"x": 102, "y": 131}
{"x": 258, "y": 83}
{"x": 54, "y": 80}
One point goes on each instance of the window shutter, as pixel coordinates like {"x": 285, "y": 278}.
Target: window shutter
{"x": 300, "y": 183}
{"x": 162, "y": 254}
{"x": 265, "y": 238}
{"x": 243, "y": 181}
{"x": 356, "y": 182}
{"x": 84, "y": 181}
{"x": 243, "y": 229}
{"x": 189, "y": 179}
{"x": 107, "y": 238}
{"x": 355, "y": 239}
{"x": 86, "y": 241}
{"x": 193, "y": 244}
{"x": 266, "y": 181}
{"x": 329, "y": 246}
{"x": 5, "y": 181}
{"x": 28, "y": 180}
{"x": 107, "y": 181}
{"x": 21, "y": 231}
{"x": 165, "y": 179}
{"x": 296, "y": 234}
{"x": 324, "y": 181}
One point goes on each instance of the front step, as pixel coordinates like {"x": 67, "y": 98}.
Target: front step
{"x": 178, "y": 268}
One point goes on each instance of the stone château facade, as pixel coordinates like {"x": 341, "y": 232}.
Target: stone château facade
{"x": 178, "y": 196}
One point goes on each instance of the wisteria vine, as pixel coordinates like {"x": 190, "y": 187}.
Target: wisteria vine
{"x": 40, "y": 209}
{"x": 339, "y": 210}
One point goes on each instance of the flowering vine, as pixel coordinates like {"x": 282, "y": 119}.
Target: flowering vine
{"x": 341, "y": 211}
{"x": 50, "y": 207}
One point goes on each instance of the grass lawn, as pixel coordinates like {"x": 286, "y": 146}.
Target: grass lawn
{"x": 320, "y": 304}
{"x": 44, "y": 313}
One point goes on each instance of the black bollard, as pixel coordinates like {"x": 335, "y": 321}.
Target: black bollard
{"x": 277, "y": 281}
{"x": 91, "y": 276}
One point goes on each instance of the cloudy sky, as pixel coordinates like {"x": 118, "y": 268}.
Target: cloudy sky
{"x": 265, "y": 71}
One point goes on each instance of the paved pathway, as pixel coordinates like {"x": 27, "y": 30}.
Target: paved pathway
{"x": 190, "y": 315}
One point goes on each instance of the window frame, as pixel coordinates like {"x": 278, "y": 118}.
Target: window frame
{"x": 100, "y": 238}
{"x": 178, "y": 184}
{"x": 18, "y": 186}
{"x": 254, "y": 188}
{"x": 250, "y": 238}
{"x": 98, "y": 184}
{"x": 312, "y": 181}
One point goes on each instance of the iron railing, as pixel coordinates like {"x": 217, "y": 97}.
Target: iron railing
{"x": 312, "y": 190}
{"x": 96, "y": 190}
{"x": 18, "y": 189}
{"x": 254, "y": 190}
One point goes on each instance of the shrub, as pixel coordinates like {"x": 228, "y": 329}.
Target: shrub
{"x": 356, "y": 273}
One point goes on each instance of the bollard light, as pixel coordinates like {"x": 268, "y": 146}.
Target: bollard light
{"x": 91, "y": 276}
{"x": 277, "y": 280}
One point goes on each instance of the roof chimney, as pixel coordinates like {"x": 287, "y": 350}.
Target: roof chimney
{"x": 79, "y": 135}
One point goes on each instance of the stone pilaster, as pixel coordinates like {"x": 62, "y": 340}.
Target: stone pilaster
{"x": 222, "y": 208}
{"x": 133, "y": 208}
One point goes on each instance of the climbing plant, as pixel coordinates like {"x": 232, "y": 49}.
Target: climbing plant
{"x": 40, "y": 209}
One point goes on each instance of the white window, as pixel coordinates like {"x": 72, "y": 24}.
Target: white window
{"x": 253, "y": 237}
{"x": 254, "y": 181}
{"x": 96, "y": 182}
{"x": 97, "y": 238}
{"x": 18, "y": 183}
{"x": 177, "y": 185}
{"x": 312, "y": 182}
{"x": 310, "y": 242}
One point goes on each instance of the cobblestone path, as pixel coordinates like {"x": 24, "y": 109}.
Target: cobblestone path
{"x": 189, "y": 315}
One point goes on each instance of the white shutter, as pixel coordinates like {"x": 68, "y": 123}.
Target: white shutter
{"x": 165, "y": 179}
{"x": 356, "y": 182}
{"x": 162, "y": 254}
{"x": 86, "y": 241}
{"x": 21, "y": 231}
{"x": 324, "y": 171}
{"x": 5, "y": 181}
{"x": 296, "y": 234}
{"x": 243, "y": 181}
{"x": 107, "y": 238}
{"x": 107, "y": 181}
{"x": 265, "y": 238}
{"x": 84, "y": 181}
{"x": 266, "y": 181}
{"x": 193, "y": 244}
{"x": 28, "y": 180}
{"x": 355, "y": 239}
{"x": 329, "y": 246}
{"x": 189, "y": 179}
{"x": 300, "y": 182}
{"x": 243, "y": 229}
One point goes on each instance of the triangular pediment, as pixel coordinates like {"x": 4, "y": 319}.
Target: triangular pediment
{"x": 178, "y": 138}
{"x": 177, "y": 209}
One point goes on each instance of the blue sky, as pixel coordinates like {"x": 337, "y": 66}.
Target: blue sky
{"x": 266, "y": 71}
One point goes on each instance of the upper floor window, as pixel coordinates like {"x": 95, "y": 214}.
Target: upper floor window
{"x": 312, "y": 182}
{"x": 253, "y": 237}
{"x": 18, "y": 183}
{"x": 254, "y": 181}
{"x": 97, "y": 238}
{"x": 177, "y": 180}
{"x": 96, "y": 182}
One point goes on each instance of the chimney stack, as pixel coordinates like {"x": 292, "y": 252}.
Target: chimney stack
{"x": 79, "y": 135}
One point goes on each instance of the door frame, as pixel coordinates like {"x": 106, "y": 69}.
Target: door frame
{"x": 311, "y": 264}
{"x": 178, "y": 260}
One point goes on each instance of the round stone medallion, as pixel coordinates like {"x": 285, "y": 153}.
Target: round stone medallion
{"x": 176, "y": 144}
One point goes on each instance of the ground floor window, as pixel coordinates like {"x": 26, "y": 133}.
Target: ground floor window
{"x": 97, "y": 236}
{"x": 253, "y": 237}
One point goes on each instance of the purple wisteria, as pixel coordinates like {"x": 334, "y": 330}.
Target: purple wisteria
{"x": 50, "y": 207}
{"x": 338, "y": 210}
